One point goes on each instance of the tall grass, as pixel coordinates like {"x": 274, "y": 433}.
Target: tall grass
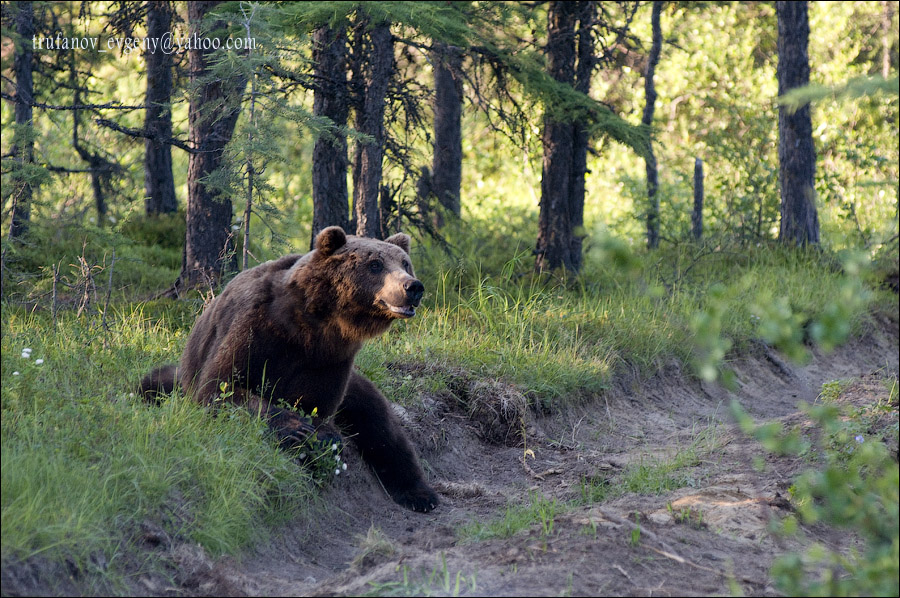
{"x": 564, "y": 340}
{"x": 85, "y": 463}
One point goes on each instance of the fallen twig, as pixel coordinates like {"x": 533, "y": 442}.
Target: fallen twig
{"x": 669, "y": 553}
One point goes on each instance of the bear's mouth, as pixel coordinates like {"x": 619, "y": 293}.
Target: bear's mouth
{"x": 404, "y": 311}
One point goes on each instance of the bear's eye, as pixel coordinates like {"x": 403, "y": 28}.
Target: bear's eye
{"x": 406, "y": 265}
{"x": 376, "y": 266}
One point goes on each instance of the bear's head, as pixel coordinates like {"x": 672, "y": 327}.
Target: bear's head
{"x": 372, "y": 281}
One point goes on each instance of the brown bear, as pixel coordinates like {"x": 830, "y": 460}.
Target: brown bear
{"x": 286, "y": 332}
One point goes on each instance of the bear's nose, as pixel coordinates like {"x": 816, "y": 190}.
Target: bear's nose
{"x": 414, "y": 290}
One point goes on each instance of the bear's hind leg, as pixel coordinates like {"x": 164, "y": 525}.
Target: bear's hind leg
{"x": 366, "y": 416}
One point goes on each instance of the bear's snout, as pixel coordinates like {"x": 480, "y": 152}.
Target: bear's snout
{"x": 414, "y": 290}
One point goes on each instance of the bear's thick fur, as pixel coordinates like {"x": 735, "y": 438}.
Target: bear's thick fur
{"x": 286, "y": 333}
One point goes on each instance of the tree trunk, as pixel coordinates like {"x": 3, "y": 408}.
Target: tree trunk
{"x": 647, "y": 120}
{"x": 374, "y": 78}
{"x": 329, "y": 161}
{"x": 697, "y": 214}
{"x": 561, "y": 220}
{"x": 887, "y": 17}
{"x": 159, "y": 183}
{"x": 446, "y": 165}
{"x": 796, "y": 153}
{"x": 208, "y": 246}
{"x": 23, "y": 147}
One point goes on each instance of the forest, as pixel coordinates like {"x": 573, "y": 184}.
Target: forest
{"x": 657, "y": 349}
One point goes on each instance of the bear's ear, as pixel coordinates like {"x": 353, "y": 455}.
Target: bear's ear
{"x": 330, "y": 240}
{"x": 400, "y": 240}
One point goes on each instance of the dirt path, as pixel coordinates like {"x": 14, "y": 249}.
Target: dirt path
{"x": 708, "y": 536}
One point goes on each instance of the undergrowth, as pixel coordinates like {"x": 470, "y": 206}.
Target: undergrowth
{"x": 853, "y": 487}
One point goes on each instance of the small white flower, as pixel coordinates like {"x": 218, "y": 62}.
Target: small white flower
{"x": 26, "y": 350}
{"x": 15, "y": 373}
{"x": 334, "y": 447}
{"x": 337, "y": 472}
{"x": 344, "y": 467}
{"x": 112, "y": 219}
{"x": 303, "y": 455}
{"x": 38, "y": 361}
{"x": 131, "y": 395}
{"x": 235, "y": 227}
{"x": 26, "y": 355}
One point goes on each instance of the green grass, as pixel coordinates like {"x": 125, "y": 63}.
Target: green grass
{"x": 565, "y": 342}
{"x": 651, "y": 475}
{"x": 516, "y": 518}
{"x": 437, "y": 582}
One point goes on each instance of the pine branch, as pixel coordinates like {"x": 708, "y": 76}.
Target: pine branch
{"x": 107, "y": 106}
{"x": 140, "y": 133}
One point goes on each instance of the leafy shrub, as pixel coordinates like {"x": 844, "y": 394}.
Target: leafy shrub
{"x": 857, "y": 490}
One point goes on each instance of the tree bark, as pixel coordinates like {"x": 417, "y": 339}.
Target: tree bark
{"x": 647, "y": 120}
{"x": 446, "y": 164}
{"x": 159, "y": 183}
{"x": 23, "y": 148}
{"x": 374, "y": 77}
{"x": 561, "y": 219}
{"x": 887, "y": 17}
{"x": 212, "y": 115}
{"x": 796, "y": 153}
{"x": 329, "y": 161}
{"x": 697, "y": 214}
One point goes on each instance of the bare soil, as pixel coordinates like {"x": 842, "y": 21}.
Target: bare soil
{"x": 484, "y": 450}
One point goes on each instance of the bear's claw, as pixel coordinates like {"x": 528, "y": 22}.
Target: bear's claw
{"x": 421, "y": 500}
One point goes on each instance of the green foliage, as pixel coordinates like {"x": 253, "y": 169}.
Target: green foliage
{"x": 780, "y": 313}
{"x": 858, "y": 87}
{"x": 857, "y": 489}
{"x": 487, "y": 29}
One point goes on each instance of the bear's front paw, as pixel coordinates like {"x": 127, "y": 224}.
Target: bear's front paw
{"x": 421, "y": 499}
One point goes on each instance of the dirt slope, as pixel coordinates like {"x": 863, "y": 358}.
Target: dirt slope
{"x": 484, "y": 451}
{"x": 701, "y": 538}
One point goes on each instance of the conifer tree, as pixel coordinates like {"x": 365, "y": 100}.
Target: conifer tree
{"x": 23, "y": 146}
{"x": 796, "y": 153}
{"x": 159, "y": 183}
{"x": 446, "y": 165}
{"x": 214, "y": 109}
{"x": 330, "y": 100}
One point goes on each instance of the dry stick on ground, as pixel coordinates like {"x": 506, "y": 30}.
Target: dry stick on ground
{"x": 668, "y": 552}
